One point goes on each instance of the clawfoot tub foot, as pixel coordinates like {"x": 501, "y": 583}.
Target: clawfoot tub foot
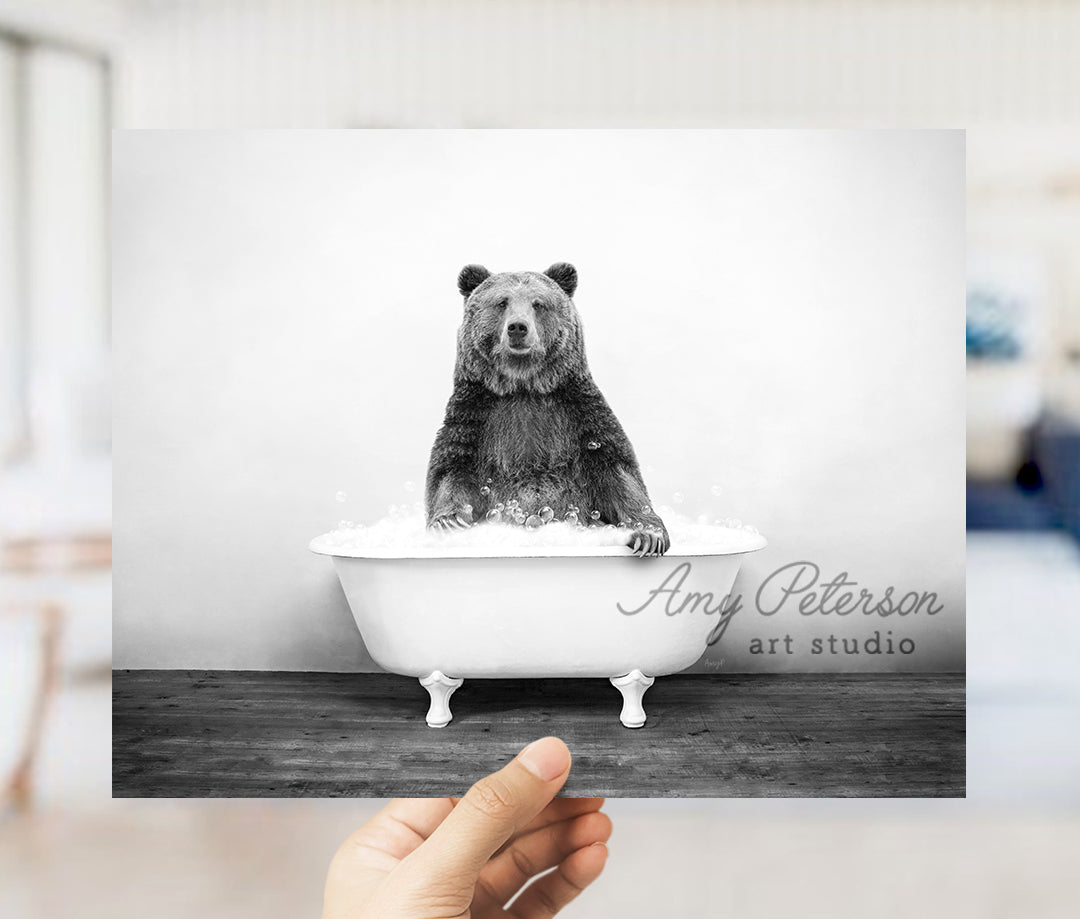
{"x": 632, "y": 686}
{"x": 440, "y": 687}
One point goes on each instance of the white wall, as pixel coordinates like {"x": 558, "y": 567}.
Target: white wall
{"x": 1024, "y": 213}
{"x": 779, "y": 314}
{"x": 631, "y": 63}
{"x": 66, "y": 193}
{"x": 11, "y": 415}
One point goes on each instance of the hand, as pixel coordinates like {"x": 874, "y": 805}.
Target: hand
{"x": 444, "y": 859}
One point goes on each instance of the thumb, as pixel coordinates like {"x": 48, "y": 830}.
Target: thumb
{"x": 492, "y": 811}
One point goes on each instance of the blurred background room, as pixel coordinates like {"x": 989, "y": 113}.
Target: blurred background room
{"x": 71, "y": 69}
{"x": 1023, "y": 457}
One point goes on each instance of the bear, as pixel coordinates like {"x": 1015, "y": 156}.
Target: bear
{"x": 527, "y": 435}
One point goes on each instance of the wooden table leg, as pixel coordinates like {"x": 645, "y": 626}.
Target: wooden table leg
{"x": 20, "y": 788}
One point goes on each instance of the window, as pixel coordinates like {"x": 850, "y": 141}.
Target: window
{"x": 54, "y": 322}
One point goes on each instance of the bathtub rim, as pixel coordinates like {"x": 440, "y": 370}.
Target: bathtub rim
{"x": 754, "y": 542}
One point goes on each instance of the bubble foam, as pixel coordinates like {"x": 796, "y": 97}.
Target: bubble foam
{"x": 406, "y": 532}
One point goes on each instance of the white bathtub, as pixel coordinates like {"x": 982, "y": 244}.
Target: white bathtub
{"x": 447, "y": 615}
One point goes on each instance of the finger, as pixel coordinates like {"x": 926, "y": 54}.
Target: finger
{"x": 558, "y": 810}
{"x": 538, "y": 851}
{"x": 495, "y": 808}
{"x": 545, "y": 896}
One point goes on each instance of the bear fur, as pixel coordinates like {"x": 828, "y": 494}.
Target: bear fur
{"x": 525, "y": 421}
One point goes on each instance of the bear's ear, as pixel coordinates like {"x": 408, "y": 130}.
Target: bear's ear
{"x": 471, "y": 277}
{"x": 565, "y": 275}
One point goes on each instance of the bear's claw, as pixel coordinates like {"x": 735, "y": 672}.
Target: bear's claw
{"x": 448, "y": 522}
{"x": 649, "y": 544}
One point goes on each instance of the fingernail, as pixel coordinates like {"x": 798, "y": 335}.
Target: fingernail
{"x": 546, "y": 758}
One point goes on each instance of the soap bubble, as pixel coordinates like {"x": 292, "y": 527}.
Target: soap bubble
{"x": 678, "y": 497}
{"x": 645, "y": 509}
{"x": 571, "y": 517}
{"x": 468, "y": 508}
{"x": 546, "y": 513}
{"x": 484, "y": 490}
{"x": 409, "y": 529}
{"x": 499, "y": 507}
{"x": 595, "y": 515}
{"x": 410, "y": 486}
{"x": 593, "y": 445}
{"x": 341, "y": 497}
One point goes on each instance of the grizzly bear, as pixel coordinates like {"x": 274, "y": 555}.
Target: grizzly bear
{"x": 527, "y": 435}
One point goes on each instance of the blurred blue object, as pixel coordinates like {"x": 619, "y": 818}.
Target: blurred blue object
{"x": 1005, "y": 506}
{"x": 993, "y": 325}
{"x": 1046, "y": 497}
{"x": 1057, "y": 451}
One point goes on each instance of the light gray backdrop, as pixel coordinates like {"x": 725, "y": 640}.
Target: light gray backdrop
{"x": 778, "y": 314}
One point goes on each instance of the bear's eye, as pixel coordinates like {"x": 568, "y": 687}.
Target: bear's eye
{"x": 501, "y": 304}
{"x": 538, "y": 304}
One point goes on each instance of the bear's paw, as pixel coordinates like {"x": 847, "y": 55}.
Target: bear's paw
{"x": 649, "y": 543}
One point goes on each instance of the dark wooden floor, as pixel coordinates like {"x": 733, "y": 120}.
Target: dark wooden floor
{"x": 245, "y": 734}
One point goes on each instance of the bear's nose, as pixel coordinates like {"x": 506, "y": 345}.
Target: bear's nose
{"x": 517, "y": 329}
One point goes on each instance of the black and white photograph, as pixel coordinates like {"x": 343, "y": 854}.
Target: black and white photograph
{"x": 472, "y": 459}
{"x": 426, "y": 439}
